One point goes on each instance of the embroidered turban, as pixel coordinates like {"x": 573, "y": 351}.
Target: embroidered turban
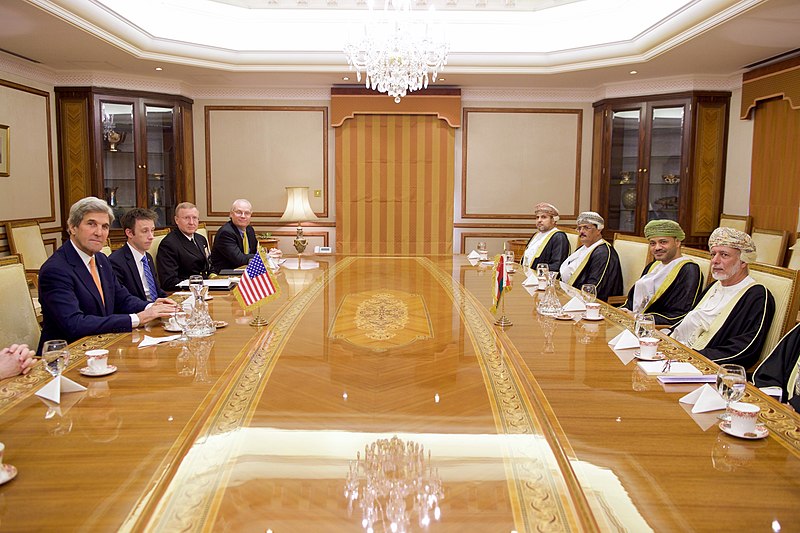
{"x": 735, "y": 239}
{"x": 664, "y": 228}
{"x": 546, "y": 209}
{"x": 590, "y": 217}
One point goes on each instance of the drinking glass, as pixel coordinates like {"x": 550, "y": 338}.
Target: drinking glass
{"x": 509, "y": 256}
{"x": 482, "y": 251}
{"x": 195, "y": 280}
{"x": 182, "y": 319}
{"x": 731, "y": 383}
{"x": 645, "y": 325}
{"x": 589, "y": 293}
{"x": 55, "y": 356}
{"x": 542, "y": 270}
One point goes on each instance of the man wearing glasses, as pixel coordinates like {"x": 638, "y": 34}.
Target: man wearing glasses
{"x": 595, "y": 262}
{"x": 235, "y": 243}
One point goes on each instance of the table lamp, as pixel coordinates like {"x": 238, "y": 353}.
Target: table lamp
{"x": 298, "y": 210}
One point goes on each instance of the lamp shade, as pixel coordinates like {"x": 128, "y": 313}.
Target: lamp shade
{"x": 297, "y": 207}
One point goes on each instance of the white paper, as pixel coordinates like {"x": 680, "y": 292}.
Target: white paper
{"x": 576, "y": 304}
{"x": 58, "y": 386}
{"x": 677, "y": 368}
{"x": 624, "y": 341}
{"x": 152, "y": 341}
{"x": 775, "y": 392}
{"x": 218, "y": 283}
{"x": 704, "y": 399}
{"x": 531, "y": 281}
{"x": 702, "y": 378}
{"x": 474, "y": 255}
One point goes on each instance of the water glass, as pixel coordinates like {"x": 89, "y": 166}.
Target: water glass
{"x": 542, "y": 270}
{"x": 731, "y": 384}
{"x": 55, "y": 356}
{"x": 182, "y": 319}
{"x": 589, "y": 293}
{"x": 645, "y": 325}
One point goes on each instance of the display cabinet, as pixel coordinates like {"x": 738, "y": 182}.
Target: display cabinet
{"x": 132, "y": 149}
{"x": 660, "y": 157}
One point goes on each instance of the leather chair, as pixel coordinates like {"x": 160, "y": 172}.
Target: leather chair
{"x": 159, "y": 236}
{"x": 202, "y": 230}
{"x": 25, "y": 240}
{"x": 770, "y": 245}
{"x": 702, "y": 258}
{"x": 794, "y": 255}
{"x": 741, "y": 222}
{"x": 783, "y": 284}
{"x": 18, "y": 322}
{"x": 634, "y": 254}
{"x": 572, "y": 237}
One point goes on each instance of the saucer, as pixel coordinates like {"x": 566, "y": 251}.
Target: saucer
{"x": 7, "y": 473}
{"x": 761, "y": 431}
{"x": 563, "y": 316}
{"x": 220, "y": 324}
{"x": 584, "y": 317}
{"x": 86, "y": 371}
{"x": 659, "y": 356}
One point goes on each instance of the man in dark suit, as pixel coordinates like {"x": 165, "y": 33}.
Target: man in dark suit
{"x": 134, "y": 267}
{"x": 235, "y": 243}
{"x": 183, "y": 252}
{"x": 78, "y": 291}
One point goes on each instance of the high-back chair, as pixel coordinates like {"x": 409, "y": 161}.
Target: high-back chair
{"x": 770, "y": 245}
{"x": 702, "y": 258}
{"x": 634, "y": 254}
{"x": 25, "y": 240}
{"x": 794, "y": 255}
{"x": 783, "y": 284}
{"x": 202, "y": 230}
{"x": 18, "y": 323}
{"x": 741, "y": 222}
{"x": 159, "y": 236}
{"x": 572, "y": 237}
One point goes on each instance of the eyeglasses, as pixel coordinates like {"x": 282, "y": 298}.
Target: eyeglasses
{"x": 240, "y": 213}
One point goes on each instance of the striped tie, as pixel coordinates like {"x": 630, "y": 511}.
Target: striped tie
{"x": 151, "y": 281}
{"x": 96, "y": 278}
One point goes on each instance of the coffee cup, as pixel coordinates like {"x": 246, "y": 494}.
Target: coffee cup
{"x": 743, "y": 417}
{"x": 97, "y": 360}
{"x": 542, "y": 283}
{"x": 648, "y": 347}
{"x": 484, "y": 255}
{"x": 593, "y": 310}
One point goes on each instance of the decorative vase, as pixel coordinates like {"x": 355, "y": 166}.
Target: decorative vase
{"x": 629, "y": 198}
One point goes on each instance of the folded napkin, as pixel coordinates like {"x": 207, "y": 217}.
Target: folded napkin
{"x": 474, "y": 255}
{"x": 152, "y": 341}
{"x": 531, "y": 280}
{"x": 576, "y": 304}
{"x": 473, "y": 261}
{"x": 624, "y": 341}
{"x": 530, "y": 290}
{"x": 704, "y": 399}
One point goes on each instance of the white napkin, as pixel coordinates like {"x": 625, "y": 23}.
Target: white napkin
{"x": 473, "y": 261}
{"x": 624, "y": 341}
{"x": 474, "y": 255}
{"x": 704, "y": 399}
{"x": 576, "y": 304}
{"x": 530, "y": 290}
{"x": 531, "y": 280}
{"x": 152, "y": 341}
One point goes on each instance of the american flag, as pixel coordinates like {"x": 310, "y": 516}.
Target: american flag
{"x": 256, "y": 285}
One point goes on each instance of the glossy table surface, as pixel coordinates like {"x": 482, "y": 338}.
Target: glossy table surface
{"x": 538, "y": 426}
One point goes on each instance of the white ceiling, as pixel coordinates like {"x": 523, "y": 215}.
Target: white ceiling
{"x": 494, "y": 43}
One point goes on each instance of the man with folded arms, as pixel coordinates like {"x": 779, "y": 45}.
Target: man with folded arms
{"x": 235, "y": 243}
{"x": 730, "y": 322}
{"x": 671, "y": 285}
{"x": 78, "y": 291}
{"x": 595, "y": 262}
{"x": 781, "y": 369}
{"x": 132, "y": 264}
{"x": 183, "y": 252}
{"x": 548, "y": 245}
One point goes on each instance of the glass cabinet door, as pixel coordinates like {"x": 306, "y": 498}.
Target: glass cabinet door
{"x": 119, "y": 158}
{"x": 624, "y": 169}
{"x": 161, "y": 157}
{"x": 666, "y": 154}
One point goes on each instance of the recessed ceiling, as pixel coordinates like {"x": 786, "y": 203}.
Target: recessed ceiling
{"x": 493, "y": 43}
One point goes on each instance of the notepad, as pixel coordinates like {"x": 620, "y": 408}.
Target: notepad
{"x": 677, "y": 369}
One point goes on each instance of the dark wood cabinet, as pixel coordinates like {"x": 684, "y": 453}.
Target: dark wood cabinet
{"x": 660, "y": 157}
{"x": 132, "y": 149}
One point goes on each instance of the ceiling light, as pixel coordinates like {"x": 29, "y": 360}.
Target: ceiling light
{"x": 346, "y": 78}
{"x": 159, "y": 69}
{"x": 398, "y": 52}
{"x": 634, "y": 72}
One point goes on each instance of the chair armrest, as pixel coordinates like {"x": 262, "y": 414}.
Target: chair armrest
{"x": 616, "y": 300}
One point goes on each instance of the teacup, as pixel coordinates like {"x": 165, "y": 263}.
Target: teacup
{"x": 743, "y": 417}
{"x": 648, "y": 347}
{"x": 484, "y": 255}
{"x": 97, "y": 360}
{"x": 593, "y": 310}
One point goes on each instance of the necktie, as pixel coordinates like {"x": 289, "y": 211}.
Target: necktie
{"x": 96, "y": 278}
{"x": 199, "y": 247}
{"x": 151, "y": 281}
{"x": 246, "y": 244}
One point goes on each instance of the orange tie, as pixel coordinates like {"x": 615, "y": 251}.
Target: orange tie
{"x": 96, "y": 278}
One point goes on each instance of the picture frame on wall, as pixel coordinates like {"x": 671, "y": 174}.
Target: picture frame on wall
{"x": 5, "y": 150}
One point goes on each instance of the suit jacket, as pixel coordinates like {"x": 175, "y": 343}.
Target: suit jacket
{"x": 71, "y": 304}
{"x": 127, "y": 272}
{"x": 228, "y": 249}
{"x": 178, "y": 258}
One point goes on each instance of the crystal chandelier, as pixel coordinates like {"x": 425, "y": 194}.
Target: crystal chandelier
{"x": 397, "y": 52}
{"x": 391, "y": 473}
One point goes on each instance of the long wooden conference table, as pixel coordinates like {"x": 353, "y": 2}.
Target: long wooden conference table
{"x": 380, "y": 391}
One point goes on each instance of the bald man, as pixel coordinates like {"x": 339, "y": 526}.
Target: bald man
{"x": 235, "y": 243}
{"x": 671, "y": 285}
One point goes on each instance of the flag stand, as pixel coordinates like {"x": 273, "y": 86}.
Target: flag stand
{"x": 258, "y": 321}
{"x": 503, "y": 321}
